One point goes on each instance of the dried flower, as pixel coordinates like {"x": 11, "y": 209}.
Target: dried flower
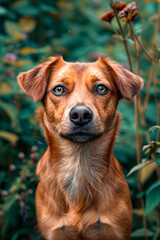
{"x": 108, "y": 16}
{"x": 120, "y": 5}
{"x": 135, "y": 14}
{"x": 129, "y": 12}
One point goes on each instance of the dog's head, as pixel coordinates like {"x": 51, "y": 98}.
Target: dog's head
{"x": 79, "y": 99}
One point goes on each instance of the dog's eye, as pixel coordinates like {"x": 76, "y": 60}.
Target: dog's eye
{"x": 101, "y": 89}
{"x": 59, "y": 90}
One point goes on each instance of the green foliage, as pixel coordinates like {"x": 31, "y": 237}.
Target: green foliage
{"x": 152, "y": 197}
{"x": 30, "y": 32}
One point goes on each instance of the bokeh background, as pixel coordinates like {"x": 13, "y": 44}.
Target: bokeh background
{"x": 30, "y": 32}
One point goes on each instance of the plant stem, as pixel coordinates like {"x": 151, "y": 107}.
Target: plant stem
{"x": 155, "y": 92}
{"x": 140, "y": 44}
{"x": 155, "y": 49}
{"x": 114, "y": 29}
{"x": 138, "y": 144}
{"x": 146, "y": 100}
{"x": 143, "y": 108}
{"x": 136, "y": 104}
{"x": 135, "y": 99}
{"x": 123, "y": 36}
{"x": 136, "y": 50}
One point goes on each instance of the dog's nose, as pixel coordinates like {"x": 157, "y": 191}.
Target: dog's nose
{"x": 81, "y": 115}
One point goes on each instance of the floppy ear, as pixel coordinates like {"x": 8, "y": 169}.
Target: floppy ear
{"x": 127, "y": 82}
{"x": 34, "y": 81}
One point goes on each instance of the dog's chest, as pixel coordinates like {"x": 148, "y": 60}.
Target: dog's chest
{"x": 80, "y": 176}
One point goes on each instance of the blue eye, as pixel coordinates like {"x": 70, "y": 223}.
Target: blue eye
{"x": 59, "y": 90}
{"x": 101, "y": 89}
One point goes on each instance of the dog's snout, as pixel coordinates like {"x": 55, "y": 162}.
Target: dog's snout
{"x": 81, "y": 115}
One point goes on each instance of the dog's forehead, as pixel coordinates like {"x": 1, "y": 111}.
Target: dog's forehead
{"x": 89, "y": 71}
{"x": 84, "y": 66}
{"x": 79, "y": 72}
{"x": 81, "y": 68}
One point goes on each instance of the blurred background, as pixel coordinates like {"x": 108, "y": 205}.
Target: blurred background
{"x": 30, "y": 32}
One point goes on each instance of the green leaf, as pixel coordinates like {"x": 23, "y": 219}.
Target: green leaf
{"x": 141, "y": 233}
{"x": 156, "y": 235}
{"x": 3, "y": 10}
{"x": 20, "y": 232}
{"x": 138, "y": 28}
{"x": 10, "y": 109}
{"x": 11, "y": 202}
{"x": 152, "y": 197}
{"x": 5, "y": 88}
{"x": 47, "y": 8}
{"x": 139, "y": 166}
{"x": 27, "y": 24}
{"x": 139, "y": 195}
{"x": 154, "y": 128}
{"x": 5, "y": 38}
{"x": 28, "y": 11}
{"x": 11, "y": 27}
{"x": 155, "y": 131}
{"x": 11, "y": 137}
{"x": 15, "y": 186}
{"x": 130, "y": 41}
{"x": 157, "y": 160}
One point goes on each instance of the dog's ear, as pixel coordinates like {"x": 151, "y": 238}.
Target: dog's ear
{"x": 127, "y": 82}
{"x": 34, "y": 81}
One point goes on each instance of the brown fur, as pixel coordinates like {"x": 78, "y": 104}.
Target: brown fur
{"x": 82, "y": 193}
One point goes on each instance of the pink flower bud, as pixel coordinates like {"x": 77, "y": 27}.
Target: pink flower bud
{"x": 10, "y": 74}
{"x": 30, "y": 191}
{"x": 10, "y": 57}
{"x": 21, "y": 155}
{"x": 34, "y": 148}
{"x": 12, "y": 167}
{"x": 4, "y": 193}
{"x": 22, "y": 177}
{"x": 34, "y": 157}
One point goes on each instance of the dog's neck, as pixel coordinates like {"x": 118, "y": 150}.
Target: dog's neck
{"x": 80, "y": 168}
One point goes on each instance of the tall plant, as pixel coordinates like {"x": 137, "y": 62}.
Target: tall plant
{"x": 127, "y": 13}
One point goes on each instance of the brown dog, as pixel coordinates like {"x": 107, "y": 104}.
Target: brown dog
{"x": 82, "y": 193}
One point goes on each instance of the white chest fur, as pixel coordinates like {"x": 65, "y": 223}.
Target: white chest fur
{"x": 81, "y": 170}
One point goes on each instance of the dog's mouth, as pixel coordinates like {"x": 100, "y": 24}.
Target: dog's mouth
{"x": 80, "y": 135}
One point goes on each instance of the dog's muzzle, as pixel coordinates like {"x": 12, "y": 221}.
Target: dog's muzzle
{"x": 82, "y": 128}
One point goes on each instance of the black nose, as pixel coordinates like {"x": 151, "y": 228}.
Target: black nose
{"x": 81, "y": 115}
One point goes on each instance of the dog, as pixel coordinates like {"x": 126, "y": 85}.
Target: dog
{"x": 82, "y": 193}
